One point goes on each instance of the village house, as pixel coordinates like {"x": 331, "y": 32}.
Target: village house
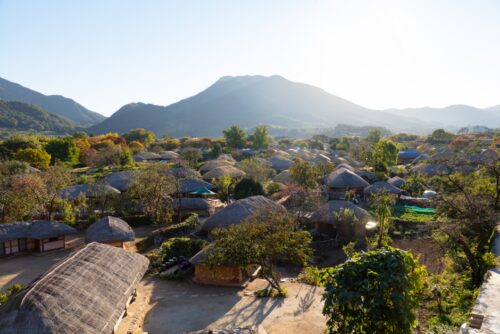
{"x": 342, "y": 180}
{"x": 110, "y": 230}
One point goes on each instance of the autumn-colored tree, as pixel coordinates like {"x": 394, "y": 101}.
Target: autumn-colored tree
{"x": 35, "y": 157}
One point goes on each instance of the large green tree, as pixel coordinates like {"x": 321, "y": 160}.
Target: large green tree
{"x": 63, "y": 149}
{"x": 140, "y": 135}
{"x": 304, "y": 173}
{"x": 373, "y": 292}
{"x": 247, "y": 187}
{"x": 384, "y": 155}
{"x": 235, "y": 137}
{"x": 260, "y": 137}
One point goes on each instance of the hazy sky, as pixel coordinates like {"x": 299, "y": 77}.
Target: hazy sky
{"x": 379, "y": 54}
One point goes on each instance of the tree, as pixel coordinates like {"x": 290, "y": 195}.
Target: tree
{"x": 247, "y": 187}
{"x": 304, "y": 173}
{"x": 440, "y": 136}
{"x": 136, "y": 146}
{"x": 264, "y": 242}
{"x": 63, "y": 149}
{"x": 373, "y": 292}
{"x": 192, "y": 156}
{"x": 415, "y": 185}
{"x": 466, "y": 207}
{"x": 154, "y": 187}
{"x": 374, "y": 136}
{"x": 382, "y": 202}
{"x": 140, "y": 135}
{"x": 384, "y": 154}
{"x": 349, "y": 226}
{"x": 235, "y": 137}
{"x": 223, "y": 185}
{"x": 257, "y": 170}
{"x": 35, "y": 157}
{"x": 17, "y": 143}
{"x": 260, "y": 138}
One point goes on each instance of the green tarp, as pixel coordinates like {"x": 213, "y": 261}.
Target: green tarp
{"x": 417, "y": 209}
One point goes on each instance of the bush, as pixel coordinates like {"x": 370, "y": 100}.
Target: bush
{"x": 13, "y": 289}
{"x": 310, "y": 275}
{"x": 247, "y": 187}
{"x": 274, "y": 293}
{"x": 187, "y": 247}
{"x": 187, "y": 226}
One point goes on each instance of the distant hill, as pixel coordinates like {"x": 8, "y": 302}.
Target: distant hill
{"x": 22, "y": 116}
{"x": 455, "y": 116}
{"x": 54, "y": 104}
{"x": 250, "y": 101}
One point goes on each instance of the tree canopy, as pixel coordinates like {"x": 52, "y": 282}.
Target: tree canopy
{"x": 235, "y": 137}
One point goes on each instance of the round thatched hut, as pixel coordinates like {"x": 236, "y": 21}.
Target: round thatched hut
{"x": 396, "y": 181}
{"x": 110, "y": 230}
{"x": 341, "y": 180}
{"x": 381, "y": 186}
{"x": 216, "y": 173}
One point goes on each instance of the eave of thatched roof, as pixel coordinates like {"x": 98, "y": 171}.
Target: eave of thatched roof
{"x": 238, "y": 211}
{"x": 109, "y": 229}
{"x": 382, "y": 186}
{"x": 326, "y": 213}
{"x": 38, "y": 229}
{"x": 87, "y": 190}
{"x": 396, "y": 181}
{"x": 145, "y": 156}
{"x": 191, "y": 185}
{"x": 344, "y": 178}
{"x": 83, "y": 293}
{"x": 216, "y": 173}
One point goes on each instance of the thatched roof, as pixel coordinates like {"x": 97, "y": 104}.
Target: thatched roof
{"x": 367, "y": 175}
{"x": 184, "y": 172}
{"x": 145, "y": 156}
{"x": 382, "y": 186}
{"x": 280, "y": 162}
{"x": 443, "y": 156}
{"x": 238, "y": 211}
{"x": 283, "y": 177}
{"x": 429, "y": 169}
{"x": 38, "y": 229}
{"x": 326, "y": 213}
{"x": 191, "y": 185}
{"x": 109, "y": 229}
{"x": 321, "y": 159}
{"x": 84, "y": 293}
{"x": 169, "y": 155}
{"x": 212, "y": 164}
{"x": 396, "y": 181}
{"x": 224, "y": 170}
{"x": 420, "y": 158}
{"x": 120, "y": 180}
{"x": 344, "y": 178}
{"x": 340, "y": 160}
{"x": 346, "y": 166}
{"x": 190, "y": 203}
{"x": 227, "y": 157}
{"x": 87, "y": 190}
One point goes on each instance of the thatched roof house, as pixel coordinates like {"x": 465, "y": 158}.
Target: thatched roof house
{"x": 420, "y": 158}
{"x": 429, "y": 169}
{"x": 110, "y": 230}
{"x": 39, "y": 235}
{"x": 279, "y": 162}
{"x": 382, "y": 186}
{"x": 216, "y": 173}
{"x": 212, "y": 164}
{"x": 227, "y": 157}
{"x": 368, "y": 176}
{"x": 191, "y": 185}
{"x": 200, "y": 206}
{"x": 87, "y": 190}
{"x": 407, "y": 156}
{"x": 183, "y": 172}
{"x": 325, "y": 219}
{"x": 238, "y": 211}
{"x": 169, "y": 155}
{"x": 146, "y": 156}
{"x": 346, "y": 166}
{"x": 341, "y": 180}
{"x": 120, "y": 180}
{"x": 85, "y": 293}
{"x": 396, "y": 181}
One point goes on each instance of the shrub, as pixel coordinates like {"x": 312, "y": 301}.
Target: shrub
{"x": 187, "y": 226}
{"x": 247, "y": 187}
{"x": 186, "y": 247}
{"x": 310, "y": 275}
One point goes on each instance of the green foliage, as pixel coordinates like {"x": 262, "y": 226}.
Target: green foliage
{"x": 192, "y": 156}
{"x": 256, "y": 169}
{"x": 63, "y": 149}
{"x": 16, "y": 143}
{"x": 373, "y": 292}
{"x": 382, "y": 203}
{"x": 140, "y": 135}
{"x": 235, "y": 137}
{"x": 415, "y": 185}
{"x": 440, "y": 136}
{"x": 270, "y": 292}
{"x": 34, "y": 157}
{"x": 13, "y": 289}
{"x": 186, "y": 247}
{"x": 186, "y": 227}
{"x": 260, "y": 138}
{"x": 224, "y": 184}
{"x": 247, "y": 187}
{"x": 310, "y": 275}
{"x": 304, "y": 173}
{"x": 384, "y": 155}
{"x": 264, "y": 242}
{"x": 136, "y": 146}
{"x": 374, "y": 136}
{"x": 12, "y": 167}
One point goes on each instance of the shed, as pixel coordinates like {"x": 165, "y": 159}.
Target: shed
{"x": 87, "y": 293}
{"x": 110, "y": 230}
{"x": 36, "y": 236}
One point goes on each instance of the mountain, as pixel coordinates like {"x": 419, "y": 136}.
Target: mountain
{"x": 454, "y": 116}
{"x": 54, "y": 104}
{"x": 250, "y": 101}
{"x": 22, "y": 116}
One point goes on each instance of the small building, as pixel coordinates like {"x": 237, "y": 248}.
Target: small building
{"x": 218, "y": 172}
{"x": 36, "y": 236}
{"x": 238, "y": 211}
{"x": 342, "y": 180}
{"x": 326, "y": 222}
{"x": 381, "y": 186}
{"x": 119, "y": 180}
{"x": 110, "y": 230}
{"x": 87, "y": 292}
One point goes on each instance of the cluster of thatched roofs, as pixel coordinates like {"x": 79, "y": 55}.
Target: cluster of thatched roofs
{"x": 85, "y": 293}
{"x": 38, "y": 229}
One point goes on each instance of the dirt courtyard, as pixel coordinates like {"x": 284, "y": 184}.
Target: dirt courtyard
{"x": 179, "y": 307}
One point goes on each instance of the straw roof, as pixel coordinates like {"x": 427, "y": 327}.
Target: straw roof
{"x": 84, "y": 293}
{"x": 224, "y": 170}
{"x": 184, "y": 172}
{"x": 382, "y": 186}
{"x": 420, "y": 158}
{"x": 119, "y": 180}
{"x": 109, "y": 229}
{"x": 367, "y": 175}
{"x": 321, "y": 159}
{"x": 169, "y": 155}
{"x": 145, "y": 156}
{"x": 190, "y": 203}
{"x": 346, "y": 166}
{"x": 396, "y": 181}
{"x": 238, "y": 211}
{"x": 191, "y": 185}
{"x": 339, "y": 160}
{"x": 87, "y": 190}
{"x": 280, "y": 162}
{"x": 227, "y": 157}
{"x": 212, "y": 164}
{"x": 38, "y": 229}
{"x": 429, "y": 169}
{"x": 326, "y": 213}
{"x": 283, "y": 177}
{"x": 344, "y": 178}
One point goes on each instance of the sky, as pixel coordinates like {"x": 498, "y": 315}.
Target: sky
{"x": 379, "y": 54}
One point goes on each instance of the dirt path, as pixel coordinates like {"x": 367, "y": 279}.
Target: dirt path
{"x": 179, "y": 307}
